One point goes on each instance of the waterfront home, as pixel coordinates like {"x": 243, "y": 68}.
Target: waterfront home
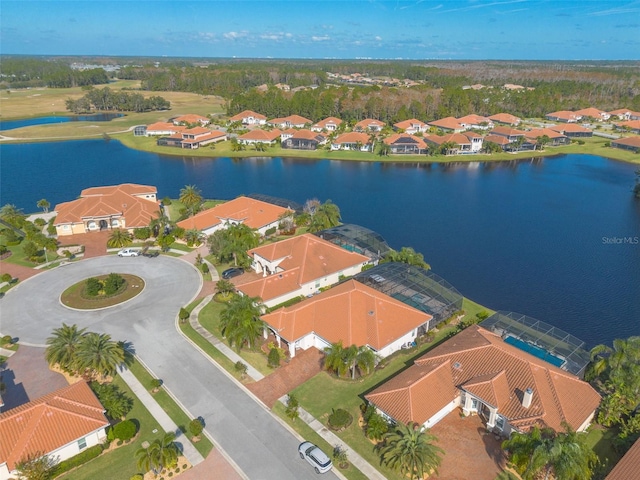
{"x": 256, "y": 214}
{"x": 249, "y": 117}
{"x": 628, "y": 143}
{"x": 448, "y": 124}
{"x": 475, "y": 122}
{"x": 564, "y": 116}
{"x": 351, "y": 313}
{"x": 621, "y": 114}
{"x": 478, "y": 372}
{"x": 329, "y": 124}
{"x": 192, "y": 138}
{"x": 163, "y": 128}
{"x": 298, "y": 266}
{"x": 556, "y": 138}
{"x": 353, "y": 141}
{"x": 412, "y": 126}
{"x": 628, "y": 466}
{"x": 126, "y": 206}
{"x": 632, "y": 126}
{"x": 505, "y": 119}
{"x": 191, "y": 119}
{"x": 593, "y": 113}
{"x": 572, "y": 130}
{"x": 406, "y": 144}
{"x": 292, "y": 121}
{"x": 458, "y": 143}
{"x": 500, "y": 140}
{"x": 60, "y": 425}
{"x": 511, "y": 134}
{"x": 260, "y": 136}
{"x": 369, "y": 125}
{"x": 303, "y": 140}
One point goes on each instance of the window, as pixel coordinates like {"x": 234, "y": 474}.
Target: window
{"x": 474, "y": 404}
{"x": 500, "y": 422}
{"x": 82, "y": 443}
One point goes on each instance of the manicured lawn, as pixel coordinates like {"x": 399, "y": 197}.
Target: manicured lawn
{"x": 204, "y": 446}
{"x": 120, "y": 463}
{"x": 17, "y": 254}
{"x": 600, "y": 439}
{"x": 75, "y": 297}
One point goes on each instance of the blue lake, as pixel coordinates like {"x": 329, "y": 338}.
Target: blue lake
{"x": 28, "y": 122}
{"x": 557, "y": 239}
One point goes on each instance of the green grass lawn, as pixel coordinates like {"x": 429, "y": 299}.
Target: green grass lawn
{"x": 121, "y": 463}
{"x": 600, "y": 439}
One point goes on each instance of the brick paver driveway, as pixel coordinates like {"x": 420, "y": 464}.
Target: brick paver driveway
{"x": 471, "y": 452}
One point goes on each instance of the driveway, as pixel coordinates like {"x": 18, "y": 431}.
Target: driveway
{"x": 261, "y": 446}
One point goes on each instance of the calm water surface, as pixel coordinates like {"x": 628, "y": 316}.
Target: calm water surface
{"x": 551, "y": 238}
{"x": 28, "y": 122}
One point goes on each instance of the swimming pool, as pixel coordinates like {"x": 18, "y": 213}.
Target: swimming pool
{"x": 541, "y": 353}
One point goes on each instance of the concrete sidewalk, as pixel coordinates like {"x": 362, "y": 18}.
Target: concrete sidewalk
{"x": 188, "y": 450}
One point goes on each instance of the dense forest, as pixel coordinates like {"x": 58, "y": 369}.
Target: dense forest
{"x": 33, "y": 72}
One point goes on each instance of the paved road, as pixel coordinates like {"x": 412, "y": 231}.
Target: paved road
{"x": 261, "y": 446}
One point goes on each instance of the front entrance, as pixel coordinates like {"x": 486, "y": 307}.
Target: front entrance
{"x": 484, "y": 413}
{"x": 103, "y": 225}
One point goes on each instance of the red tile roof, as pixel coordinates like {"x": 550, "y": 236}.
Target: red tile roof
{"x": 499, "y": 139}
{"x": 129, "y": 188}
{"x": 191, "y": 118}
{"x": 564, "y": 115}
{"x": 303, "y": 258}
{"x": 352, "y": 137}
{"x": 534, "y": 133}
{"x": 350, "y": 312}
{"x": 327, "y": 121}
{"x": 632, "y": 124}
{"x": 261, "y": 135}
{"x": 368, "y": 123}
{"x": 505, "y": 118}
{"x": 478, "y": 360}
{"x": 291, "y": 119}
{"x": 448, "y": 123}
{"x": 628, "y": 467}
{"x": 590, "y": 112}
{"x": 412, "y": 123}
{"x": 506, "y": 131}
{"x": 165, "y": 126}
{"x": 246, "y": 114}
{"x": 473, "y": 119}
{"x": 398, "y": 137}
{"x": 457, "y": 138}
{"x": 570, "y": 127}
{"x": 628, "y": 141}
{"x": 308, "y": 135}
{"x": 251, "y": 212}
{"x": 50, "y": 422}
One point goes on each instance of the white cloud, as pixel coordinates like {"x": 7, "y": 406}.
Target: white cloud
{"x": 378, "y": 37}
{"x": 234, "y": 35}
{"x": 322, "y": 38}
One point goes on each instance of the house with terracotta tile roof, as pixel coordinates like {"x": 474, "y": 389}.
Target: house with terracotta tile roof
{"x": 191, "y": 119}
{"x": 632, "y": 126}
{"x": 406, "y": 144}
{"x": 468, "y": 142}
{"x": 304, "y": 140}
{"x": 353, "y": 141}
{"x": 249, "y": 117}
{"x": 564, "y": 116}
{"x": 163, "y": 128}
{"x": 510, "y": 134}
{"x": 292, "y": 121}
{"x": 127, "y": 206}
{"x": 556, "y": 138}
{"x": 60, "y": 425}
{"x": 330, "y": 124}
{"x": 477, "y": 371}
{"x": 475, "y": 122}
{"x": 369, "y": 125}
{"x": 411, "y": 126}
{"x": 621, "y": 113}
{"x": 628, "y": 466}
{"x": 572, "y": 130}
{"x": 256, "y": 214}
{"x": 192, "y": 138}
{"x": 298, "y": 266}
{"x": 505, "y": 119}
{"x": 352, "y": 313}
{"x": 260, "y": 136}
{"x": 628, "y": 143}
{"x": 448, "y": 124}
{"x": 593, "y": 113}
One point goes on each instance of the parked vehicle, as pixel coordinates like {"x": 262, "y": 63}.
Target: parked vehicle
{"x": 317, "y": 458}
{"x": 232, "y": 272}
{"x": 128, "y": 252}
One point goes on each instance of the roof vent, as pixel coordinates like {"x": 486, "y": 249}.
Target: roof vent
{"x": 280, "y": 275}
{"x": 457, "y": 365}
{"x": 370, "y": 313}
{"x": 527, "y": 398}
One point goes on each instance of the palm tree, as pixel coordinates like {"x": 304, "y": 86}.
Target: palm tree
{"x": 119, "y": 238}
{"x": 238, "y": 239}
{"x": 148, "y": 458}
{"x": 240, "y": 321}
{"x": 12, "y": 214}
{"x": 542, "y": 141}
{"x": 407, "y": 255}
{"x": 98, "y": 354}
{"x": 63, "y": 345}
{"x": 447, "y": 147}
{"x": 325, "y": 216}
{"x": 167, "y": 449}
{"x": 160, "y": 222}
{"x": 44, "y": 205}
{"x": 411, "y": 450}
{"x": 365, "y": 360}
{"x": 191, "y": 198}
{"x": 334, "y": 359}
{"x": 194, "y": 237}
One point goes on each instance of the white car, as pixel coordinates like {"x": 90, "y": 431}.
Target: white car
{"x": 128, "y": 252}
{"x": 316, "y": 457}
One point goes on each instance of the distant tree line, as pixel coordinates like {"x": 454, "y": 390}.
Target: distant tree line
{"x": 105, "y": 99}
{"x": 33, "y": 72}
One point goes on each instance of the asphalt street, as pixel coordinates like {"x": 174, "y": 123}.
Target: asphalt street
{"x": 259, "y": 444}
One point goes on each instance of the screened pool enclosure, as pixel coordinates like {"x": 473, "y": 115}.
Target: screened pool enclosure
{"x": 357, "y": 239}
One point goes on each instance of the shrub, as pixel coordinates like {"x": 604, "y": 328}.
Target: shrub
{"x": 6, "y": 277}
{"x": 166, "y": 201}
{"x": 269, "y": 231}
{"x": 339, "y": 419}
{"x": 40, "y": 222}
{"x": 137, "y": 476}
{"x": 80, "y": 459}
{"x": 7, "y": 339}
{"x": 30, "y": 249}
{"x": 178, "y": 232}
{"x": 92, "y": 286}
{"x": 183, "y": 315}
{"x": 292, "y": 407}
{"x": 142, "y": 233}
{"x": 3, "y": 250}
{"x": 195, "y": 427}
{"x": 124, "y": 430}
{"x": 240, "y": 367}
{"x": 156, "y": 383}
{"x": 376, "y": 427}
{"x": 273, "y": 359}
{"x": 113, "y": 283}
{"x": 115, "y": 402}
{"x": 205, "y": 268}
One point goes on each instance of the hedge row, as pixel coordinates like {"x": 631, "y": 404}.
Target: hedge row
{"x": 80, "y": 459}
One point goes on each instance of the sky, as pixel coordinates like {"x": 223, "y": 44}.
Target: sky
{"x": 344, "y": 29}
